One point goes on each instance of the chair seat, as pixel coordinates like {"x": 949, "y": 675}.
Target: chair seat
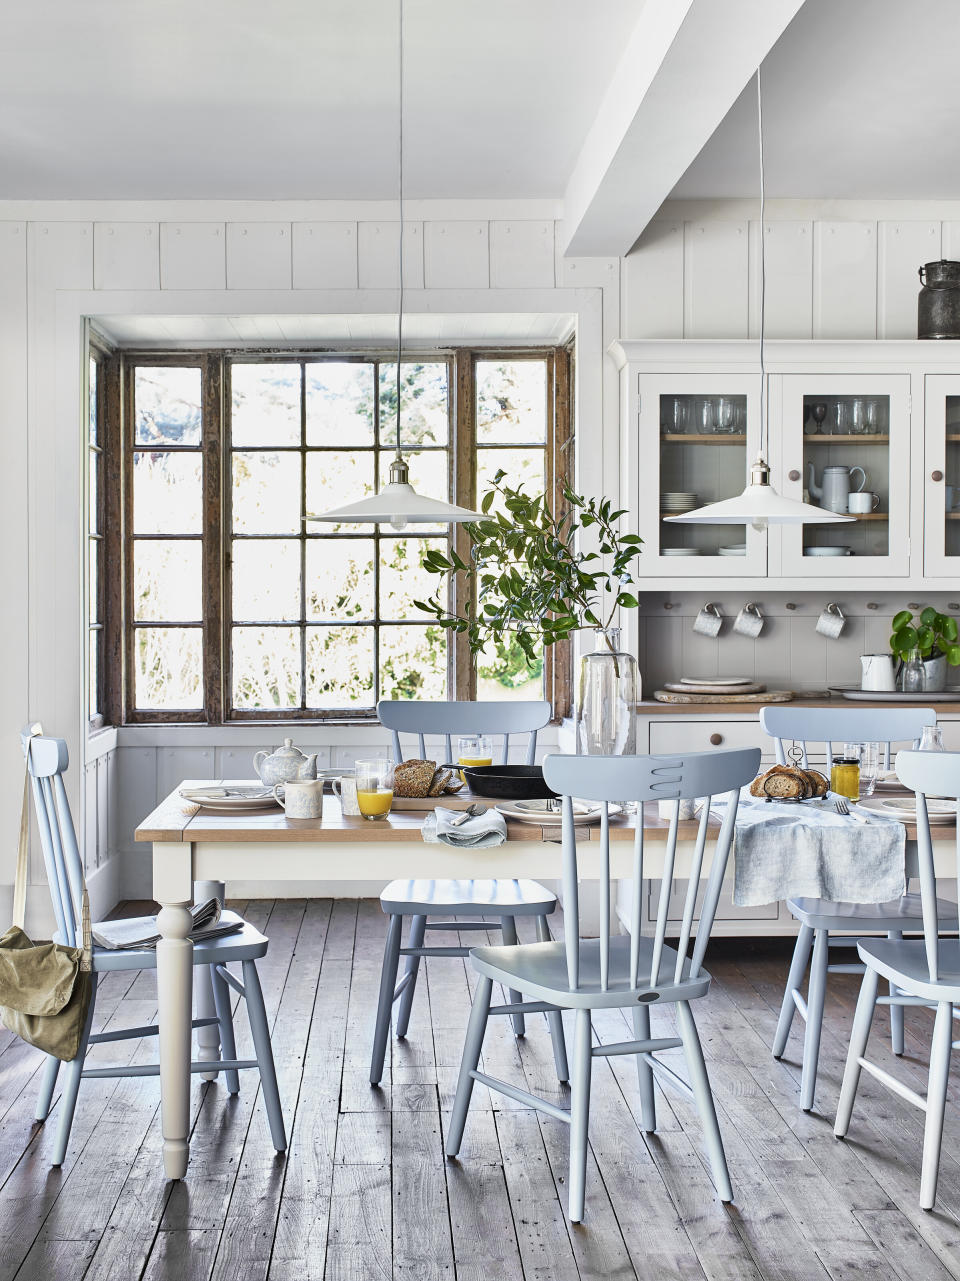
{"x": 481, "y": 897}
{"x": 247, "y": 944}
{"x": 904, "y": 963}
{"x": 539, "y": 970}
{"x": 899, "y": 914}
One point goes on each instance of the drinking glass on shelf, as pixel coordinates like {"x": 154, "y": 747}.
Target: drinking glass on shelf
{"x": 818, "y": 413}
{"x": 475, "y": 750}
{"x": 679, "y": 416}
{"x": 858, "y": 418}
{"x": 375, "y": 787}
{"x": 869, "y": 767}
{"x": 841, "y": 418}
{"x": 726, "y": 418}
{"x": 708, "y": 416}
{"x": 872, "y": 417}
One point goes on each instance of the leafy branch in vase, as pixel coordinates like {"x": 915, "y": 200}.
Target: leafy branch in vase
{"x": 529, "y": 579}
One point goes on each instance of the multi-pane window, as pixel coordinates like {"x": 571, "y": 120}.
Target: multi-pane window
{"x": 95, "y": 539}
{"x": 236, "y": 606}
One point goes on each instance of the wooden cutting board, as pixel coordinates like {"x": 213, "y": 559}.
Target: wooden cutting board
{"x": 706, "y": 688}
{"x": 770, "y": 696}
{"x": 455, "y": 801}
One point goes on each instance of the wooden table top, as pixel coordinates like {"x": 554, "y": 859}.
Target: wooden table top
{"x": 175, "y": 819}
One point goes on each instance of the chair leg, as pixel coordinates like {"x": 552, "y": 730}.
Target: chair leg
{"x": 702, "y": 1093}
{"x": 859, "y": 1035}
{"x": 580, "y": 1114}
{"x": 801, "y": 954}
{"x": 508, "y": 927}
{"x": 228, "y": 1045}
{"x": 257, "y": 1014}
{"x": 816, "y": 993}
{"x": 48, "y": 1083}
{"x": 469, "y": 1063}
{"x": 388, "y": 982}
{"x": 205, "y": 1004}
{"x": 555, "y": 1017}
{"x": 648, "y": 1103}
{"x": 896, "y": 1011}
{"x": 418, "y": 925}
{"x": 936, "y": 1102}
{"x": 71, "y": 1085}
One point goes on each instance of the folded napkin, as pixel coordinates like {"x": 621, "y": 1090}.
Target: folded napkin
{"x": 811, "y": 851}
{"x": 486, "y": 829}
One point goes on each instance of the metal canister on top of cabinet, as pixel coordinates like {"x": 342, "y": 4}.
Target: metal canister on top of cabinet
{"x": 938, "y": 303}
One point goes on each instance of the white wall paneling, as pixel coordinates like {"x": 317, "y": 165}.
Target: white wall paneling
{"x": 325, "y": 255}
{"x": 522, "y": 255}
{"x": 126, "y": 255}
{"x": 788, "y": 253}
{"x": 715, "y": 280}
{"x": 259, "y": 255}
{"x": 377, "y": 255}
{"x": 902, "y": 248}
{"x": 193, "y": 255}
{"x": 456, "y": 255}
{"x": 653, "y": 283}
{"x": 845, "y": 280}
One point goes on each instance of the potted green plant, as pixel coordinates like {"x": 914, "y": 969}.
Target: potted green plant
{"x": 928, "y": 641}
{"x": 535, "y": 585}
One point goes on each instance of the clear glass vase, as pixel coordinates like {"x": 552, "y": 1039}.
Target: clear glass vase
{"x": 911, "y": 674}
{"x": 605, "y": 708}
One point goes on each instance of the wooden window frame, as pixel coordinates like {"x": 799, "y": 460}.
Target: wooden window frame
{"x": 96, "y": 530}
{"x": 117, "y": 580}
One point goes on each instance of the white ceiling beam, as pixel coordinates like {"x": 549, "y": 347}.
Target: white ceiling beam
{"x": 683, "y": 68}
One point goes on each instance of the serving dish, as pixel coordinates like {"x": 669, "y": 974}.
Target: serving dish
{"x": 857, "y": 695}
{"x": 507, "y": 782}
{"x": 904, "y": 808}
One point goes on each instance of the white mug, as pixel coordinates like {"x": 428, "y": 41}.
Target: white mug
{"x": 301, "y": 800}
{"x": 345, "y": 789}
{"x": 862, "y": 501}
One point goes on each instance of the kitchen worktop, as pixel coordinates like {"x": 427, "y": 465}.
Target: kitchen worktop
{"x": 650, "y": 707}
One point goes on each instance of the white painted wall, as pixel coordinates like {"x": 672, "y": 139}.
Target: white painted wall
{"x": 62, "y": 262}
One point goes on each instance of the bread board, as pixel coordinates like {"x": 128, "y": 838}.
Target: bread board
{"x": 770, "y": 696}
{"x": 455, "y": 801}
{"x": 705, "y": 687}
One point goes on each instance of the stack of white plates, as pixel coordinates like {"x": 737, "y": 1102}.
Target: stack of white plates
{"x": 678, "y": 503}
{"x": 680, "y": 551}
{"x": 735, "y": 549}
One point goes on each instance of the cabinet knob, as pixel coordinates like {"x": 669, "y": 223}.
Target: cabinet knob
{"x": 793, "y": 475}
{"x": 936, "y": 475}
{"x": 716, "y": 739}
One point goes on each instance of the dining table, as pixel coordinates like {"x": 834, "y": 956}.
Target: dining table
{"x": 193, "y": 845}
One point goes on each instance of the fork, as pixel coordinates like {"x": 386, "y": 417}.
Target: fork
{"x": 841, "y": 806}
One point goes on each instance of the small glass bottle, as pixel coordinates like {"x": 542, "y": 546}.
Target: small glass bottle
{"x": 931, "y": 740}
{"x": 845, "y": 777}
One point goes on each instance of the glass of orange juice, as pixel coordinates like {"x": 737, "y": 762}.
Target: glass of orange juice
{"x": 474, "y": 749}
{"x": 375, "y": 788}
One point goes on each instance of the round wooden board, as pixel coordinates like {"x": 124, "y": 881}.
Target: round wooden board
{"x": 707, "y": 688}
{"x": 771, "y": 696}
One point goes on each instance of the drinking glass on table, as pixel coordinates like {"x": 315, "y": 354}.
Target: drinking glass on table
{"x": 474, "y": 750}
{"x": 375, "y": 788}
{"x": 869, "y": 767}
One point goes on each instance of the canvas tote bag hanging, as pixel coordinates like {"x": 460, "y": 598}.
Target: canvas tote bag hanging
{"x": 44, "y": 987}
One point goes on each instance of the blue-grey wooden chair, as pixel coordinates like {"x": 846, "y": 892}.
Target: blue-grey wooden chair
{"x": 818, "y": 918}
{"x": 919, "y": 971}
{"x": 635, "y": 972}
{"x": 500, "y": 901}
{"x": 46, "y": 761}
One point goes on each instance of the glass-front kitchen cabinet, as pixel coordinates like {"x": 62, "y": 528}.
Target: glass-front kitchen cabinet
{"x": 941, "y": 476}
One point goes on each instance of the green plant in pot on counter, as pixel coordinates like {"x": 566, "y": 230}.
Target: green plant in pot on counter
{"x": 927, "y": 642}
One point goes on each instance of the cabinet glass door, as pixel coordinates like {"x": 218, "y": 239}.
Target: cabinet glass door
{"x": 941, "y": 476}
{"x": 696, "y": 435}
{"x": 844, "y": 445}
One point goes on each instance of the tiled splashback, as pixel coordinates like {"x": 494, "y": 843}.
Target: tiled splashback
{"x": 788, "y": 654}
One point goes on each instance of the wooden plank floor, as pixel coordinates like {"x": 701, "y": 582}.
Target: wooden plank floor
{"x": 365, "y": 1193}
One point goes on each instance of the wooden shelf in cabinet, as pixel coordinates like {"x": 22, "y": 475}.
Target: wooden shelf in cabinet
{"x": 702, "y": 438}
{"x": 953, "y": 437}
{"x": 826, "y": 439}
{"x": 952, "y": 515}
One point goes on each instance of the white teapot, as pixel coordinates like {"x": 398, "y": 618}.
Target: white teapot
{"x": 837, "y": 486}
{"x": 286, "y": 764}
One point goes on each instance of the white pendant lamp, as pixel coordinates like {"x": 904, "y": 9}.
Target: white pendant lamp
{"x": 760, "y": 505}
{"x": 397, "y": 503}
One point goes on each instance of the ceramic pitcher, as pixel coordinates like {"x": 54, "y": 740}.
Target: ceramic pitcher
{"x": 877, "y": 672}
{"x": 836, "y": 487}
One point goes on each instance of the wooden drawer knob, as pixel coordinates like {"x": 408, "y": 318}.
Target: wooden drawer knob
{"x": 716, "y": 739}
{"x": 936, "y": 475}
{"x": 793, "y": 475}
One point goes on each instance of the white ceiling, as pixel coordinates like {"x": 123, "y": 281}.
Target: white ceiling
{"x": 861, "y": 100}
{"x": 236, "y": 99}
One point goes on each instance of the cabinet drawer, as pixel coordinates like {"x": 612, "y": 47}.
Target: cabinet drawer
{"x": 687, "y": 735}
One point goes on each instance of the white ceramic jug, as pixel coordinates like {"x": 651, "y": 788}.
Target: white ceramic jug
{"x": 837, "y": 486}
{"x": 877, "y": 672}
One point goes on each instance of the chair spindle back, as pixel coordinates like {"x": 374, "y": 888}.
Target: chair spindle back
{"x": 829, "y": 725}
{"x": 47, "y": 760}
{"x": 406, "y": 716}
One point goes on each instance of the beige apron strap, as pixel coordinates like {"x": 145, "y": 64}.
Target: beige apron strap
{"x": 86, "y": 960}
{"x": 23, "y": 856}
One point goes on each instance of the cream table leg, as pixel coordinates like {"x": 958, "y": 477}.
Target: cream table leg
{"x": 172, "y": 885}
{"x": 208, "y": 1038}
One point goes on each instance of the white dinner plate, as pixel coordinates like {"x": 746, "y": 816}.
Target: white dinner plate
{"x": 905, "y": 808}
{"x": 229, "y": 798}
{"x": 539, "y": 813}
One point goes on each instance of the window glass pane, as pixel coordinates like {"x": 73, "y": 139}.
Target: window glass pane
{"x": 266, "y": 667}
{"x": 339, "y": 579}
{"x": 511, "y": 401}
{"x": 93, "y": 566}
{"x": 93, "y": 675}
{"x": 340, "y": 667}
{"x": 523, "y": 467}
{"x": 502, "y": 672}
{"x": 265, "y": 404}
{"x": 266, "y": 579}
{"x": 413, "y": 662}
{"x": 167, "y": 493}
{"x": 168, "y": 667}
{"x": 92, "y": 409}
{"x": 93, "y": 502}
{"x": 340, "y": 403}
{"x": 335, "y": 479}
{"x": 166, "y": 581}
{"x": 402, "y": 576}
{"x": 428, "y": 476}
{"x": 266, "y": 493}
{"x": 423, "y": 403}
{"x": 168, "y": 404}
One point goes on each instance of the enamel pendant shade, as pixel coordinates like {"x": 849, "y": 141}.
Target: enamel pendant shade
{"x": 760, "y": 505}
{"x": 398, "y": 504}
